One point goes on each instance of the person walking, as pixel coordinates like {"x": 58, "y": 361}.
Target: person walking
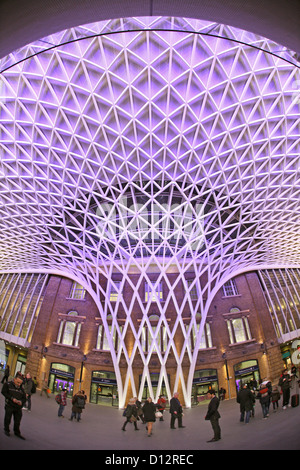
{"x": 285, "y": 384}
{"x": 176, "y": 411}
{"x": 213, "y": 415}
{"x": 78, "y": 404}
{"x": 6, "y": 375}
{"x": 149, "y": 414}
{"x": 62, "y": 402}
{"x": 161, "y": 406}
{"x": 246, "y": 399}
{"x": 131, "y": 414}
{"x": 15, "y": 399}
{"x": 28, "y": 388}
{"x": 45, "y": 388}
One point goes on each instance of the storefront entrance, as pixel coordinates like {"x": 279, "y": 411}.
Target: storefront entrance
{"x": 246, "y": 372}
{"x": 104, "y": 388}
{"x": 203, "y": 381}
{"x": 61, "y": 376}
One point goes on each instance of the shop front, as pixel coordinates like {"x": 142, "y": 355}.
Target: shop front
{"x": 61, "y": 376}
{"x": 104, "y": 389}
{"x": 203, "y": 381}
{"x": 246, "y": 372}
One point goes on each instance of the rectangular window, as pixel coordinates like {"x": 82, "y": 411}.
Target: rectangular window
{"x": 148, "y": 338}
{"x": 114, "y": 291}
{"x": 102, "y": 339}
{"x": 69, "y": 333}
{"x": 192, "y": 290}
{"x": 77, "y": 291}
{"x": 230, "y": 288}
{"x": 153, "y": 292}
{"x": 206, "y": 340}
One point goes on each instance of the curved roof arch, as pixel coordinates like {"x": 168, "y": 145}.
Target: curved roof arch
{"x": 23, "y": 23}
{"x": 112, "y": 144}
{"x": 162, "y": 107}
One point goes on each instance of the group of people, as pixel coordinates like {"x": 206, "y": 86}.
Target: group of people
{"x": 265, "y": 393}
{"x": 149, "y": 412}
{"x": 18, "y": 391}
{"x": 78, "y": 404}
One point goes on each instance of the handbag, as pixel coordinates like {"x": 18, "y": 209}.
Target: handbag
{"x": 158, "y": 414}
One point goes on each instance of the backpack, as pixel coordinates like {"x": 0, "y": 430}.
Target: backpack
{"x": 58, "y": 399}
{"x": 80, "y": 402}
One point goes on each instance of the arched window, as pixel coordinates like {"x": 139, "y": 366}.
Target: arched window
{"x": 69, "y": 330}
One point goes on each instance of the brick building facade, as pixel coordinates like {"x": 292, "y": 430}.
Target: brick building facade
{"x": 223, "y": 360}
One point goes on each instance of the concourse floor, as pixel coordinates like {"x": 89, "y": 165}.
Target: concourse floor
{"x": 100, "y": 429}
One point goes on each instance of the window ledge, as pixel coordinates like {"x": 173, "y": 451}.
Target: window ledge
{"x": 66, "y": 345}
{"x": 253, "y": 340}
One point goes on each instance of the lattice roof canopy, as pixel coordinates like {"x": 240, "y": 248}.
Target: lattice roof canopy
{"x": 132, "y": 143}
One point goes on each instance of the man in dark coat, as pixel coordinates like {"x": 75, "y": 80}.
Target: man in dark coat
{"x": 15, "y": 399}
{"x": 246, "y": 400}
{"x": 213, "y": 415}
{"x": 176, "y": 411}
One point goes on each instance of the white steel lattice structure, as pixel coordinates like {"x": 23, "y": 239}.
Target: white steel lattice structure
{"x": 150, "y": 146}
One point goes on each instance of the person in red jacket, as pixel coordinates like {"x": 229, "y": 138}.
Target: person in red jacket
{"x": 161, "y": 406}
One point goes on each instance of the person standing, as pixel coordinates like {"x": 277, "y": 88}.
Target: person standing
{"x": 264, "y": 395}
{"x": 246, "y": 399}
{"x": 62, "y": 403}
{"x": 213, "y": 415}
{"x": 285, "y": 384}
{"x": 45, "y": 388}
{"x": 28, "y": 387}
{"x": 275, "y": 398}
{"x": 6, "y": 375}
{"x": 149, "y": 414}
{"x": 15, "y": 399}
{"x": 176, "y": 411}
{"x": 161, "y": 406}
{"x": 78, "y": 404}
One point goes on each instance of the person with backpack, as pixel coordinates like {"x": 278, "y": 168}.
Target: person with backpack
{"x": 264, "y": 395}
{"x": 61, "y": 400}
{"x": 78, "y": 404}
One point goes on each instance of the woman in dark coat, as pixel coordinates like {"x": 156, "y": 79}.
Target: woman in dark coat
{"x": 131, "y": 414}
{"x": 149, "y": 410}
{"x": 246, "y": 399}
